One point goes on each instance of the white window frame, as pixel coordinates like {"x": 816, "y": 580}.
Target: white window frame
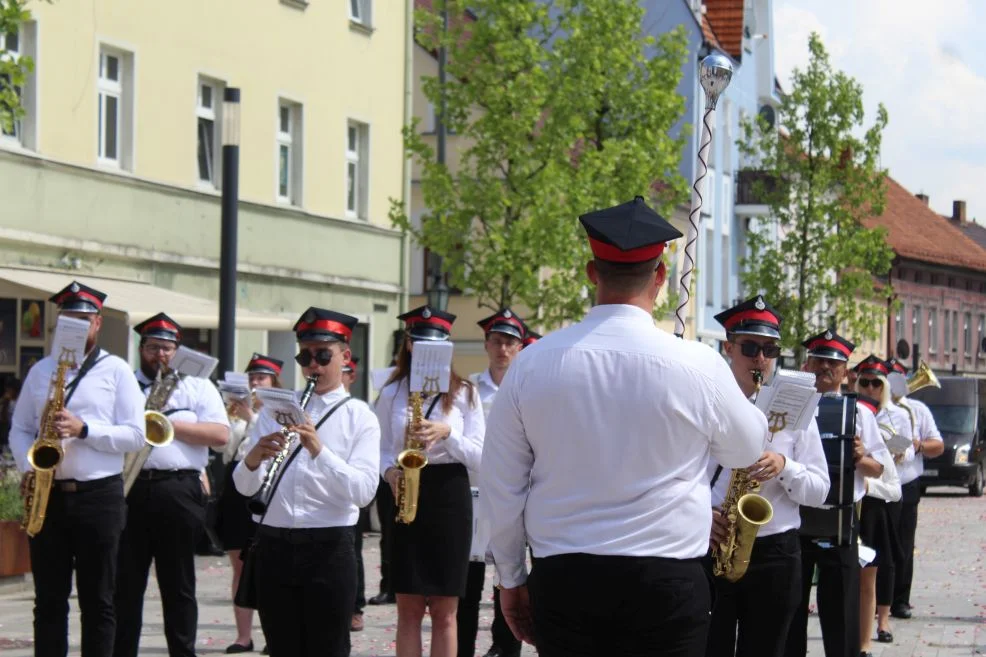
{"x": 123, "y": 90}
{"x": 16, "y": 138}
{"x": 292, "y": 140}
{"x": 26, "y": 128}
{"x": 363, "y": 13}
{"x": 214, "y": 114}
{"x": 358, "y": 158}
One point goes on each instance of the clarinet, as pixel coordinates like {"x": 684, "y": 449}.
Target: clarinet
{"x": 258, "y": 503}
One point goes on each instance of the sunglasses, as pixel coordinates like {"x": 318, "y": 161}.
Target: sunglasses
{"x": 322, "y": 357}
{"x": 866, "y": 383}
{"x": 752, "y": 350}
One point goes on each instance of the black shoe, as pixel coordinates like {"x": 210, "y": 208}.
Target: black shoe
{"x": 265, "y": 651}
{"x": 237, "y": 648}
{"x": 900, "y": 611}
{"x": 884, "y": 636}
{"x": 497, "y": 651}
{"x": 383, "y": 599}
{"x": 865, "y": 654}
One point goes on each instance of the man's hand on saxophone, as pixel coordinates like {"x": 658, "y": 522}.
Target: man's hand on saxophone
{"x": 720, "y": 528}
{"x": 393, "y": 477}
{"x": 266, "y": 448}
{"x": 430, "y": 433}
{"x": 67, "y": 424}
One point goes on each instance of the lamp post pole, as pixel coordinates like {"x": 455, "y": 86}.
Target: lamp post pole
{"x": 438, "y": 290}
{"x": 227, "y": 254}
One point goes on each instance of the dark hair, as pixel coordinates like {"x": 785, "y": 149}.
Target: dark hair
{"x": 13, "y": 383}
{"x": 456, "y": 383}
{"x": 628, "y": 278}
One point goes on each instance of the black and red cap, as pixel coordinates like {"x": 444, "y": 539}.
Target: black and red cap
{"x": 427, "y": 323}
{"x": 873, "y": 366}
{"x": 350, "y": 367}
{"x": 895, "y": 365}
{"x": 752, "y": 317}
{"x": 79, "y": 298}
{"x": 628, "y": 233}
{"x": 261, "y": 364}
{"x": 159, "y": 326}
{"x": 504, "y": 321}
{"x": 530, "y": 338}
{"x": 829, "y": 344}
{"x": 321, "y": 325}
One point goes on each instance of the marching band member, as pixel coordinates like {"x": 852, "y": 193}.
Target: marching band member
{"x": 504, "y": 335}
{"x": 838, "y": 566}
{"x": 875, "y": 530}
{"x": 349, "y": 372}
{"x": 430, "y": 557}
{"x": 927, "y": 442}
{"x": 166, "y": 506}
{"x": 305, "y": 559}
{"x": 235, "y": 526}
{"x": 792, "y": 471}
{"x": 103, "y": 418}
{"x": 596, "y": 454}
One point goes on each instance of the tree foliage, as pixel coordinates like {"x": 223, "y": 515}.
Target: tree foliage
{"x": 13, "y": 69}
{"x": 558, "y": 108}
{"x": 812, "y": 256}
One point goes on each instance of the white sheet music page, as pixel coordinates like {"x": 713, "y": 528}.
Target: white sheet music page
{"x": 235, "y": 385}
{"x": 789, "y": 402}
{"x": 193, "y": 363}
{"x": 281, "y": 405}
{"x": 69, "y": 342}
{"x": 431, "y": 367}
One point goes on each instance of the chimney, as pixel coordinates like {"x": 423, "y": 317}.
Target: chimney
{"x": 958, "y": 211}
{"x": 924, "y": 198}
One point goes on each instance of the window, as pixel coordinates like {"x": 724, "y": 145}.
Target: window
{"x": 10, "y": 46}
{"x": 357, "y": 169}
{"x": 948, "y": 332}
{"x": 359, "y": 11}
{"x": 967, "y": 335}
{"x": 114, "y": 111}
{"x": 20, "y": 45}
{"x": 709, "y": 271}
{"x": 725, "y": 260}
{"x": 955, "y": 330}
{"x": 289, "y": 152}
{"x": 899, "y": 323}
{"x": 933, "y": 330}
{"x": 916, "y": 326}
{"x": 982, "y": 332}
{"x": 208, "y": 112}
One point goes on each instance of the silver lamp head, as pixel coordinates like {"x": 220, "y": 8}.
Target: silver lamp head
{"x": 714, "y": 75}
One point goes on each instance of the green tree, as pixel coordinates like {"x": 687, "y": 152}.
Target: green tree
{"x": 558, "y": 108}
{"x": 812, "y": 256}
{"x": 13, "y": 70}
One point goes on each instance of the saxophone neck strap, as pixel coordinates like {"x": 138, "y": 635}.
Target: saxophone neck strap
{"x": 432, "y": 405}
{"x": 715, "y": 477}
{"x": 92, "y": 358}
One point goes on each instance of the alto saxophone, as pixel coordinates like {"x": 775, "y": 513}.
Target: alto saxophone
{"x": 410, "y": 461}
{"x": 745, "y": 512}
{"x": 46, "y": 452}
{"x": 158, "y": 430}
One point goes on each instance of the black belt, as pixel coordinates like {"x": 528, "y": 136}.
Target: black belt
{"x": 789, "y": 536}
{"x": 154, "y": 475}
{"x": 302, "y": 536}
{"x": 74, "y": 486}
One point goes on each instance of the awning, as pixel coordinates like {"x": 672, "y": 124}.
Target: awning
{"x": 137, "y": 301}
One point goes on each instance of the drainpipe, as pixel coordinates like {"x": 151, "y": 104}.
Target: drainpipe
{"x": 408, "y": 114}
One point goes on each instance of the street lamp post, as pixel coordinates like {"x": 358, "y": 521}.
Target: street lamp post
{"x": 227, "y": 255}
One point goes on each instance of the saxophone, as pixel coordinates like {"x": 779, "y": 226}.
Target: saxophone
{"x": 745, "y": 512}
{"x": 158, "y": 430}
{"x": 410, "y": 461}
{"x": 46, "y": 452}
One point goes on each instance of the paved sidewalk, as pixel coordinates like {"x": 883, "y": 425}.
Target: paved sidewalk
{"x": 949, "y": 597}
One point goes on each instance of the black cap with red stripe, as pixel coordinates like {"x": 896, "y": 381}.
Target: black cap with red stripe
{"x": 321, "y": 325}
{"x": 261, "y": 364}
{"x": 829, "y": 344}
{"x": 426, "y": 323}
{"x": 79, "y": 298}
{"x": 872, "y": 365}
{"x": 504, "y": 321}
{"x": 350, "y": 367}
{"x": 896, "y": 366}
{"x": 628, "y": 233}
{"x": 161, "y": 327}
{"x": 530, "y": 338}
{"x": 752, "y": 317}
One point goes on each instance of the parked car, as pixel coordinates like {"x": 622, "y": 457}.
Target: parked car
{"x": 959, "y": 408}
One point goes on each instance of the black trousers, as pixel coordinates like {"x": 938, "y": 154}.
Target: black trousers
{"x": 503, "y": 636}
{"x": 81, "y": 531}
{"x": 907, "y": 526}
{"x": 610, "y": 606}
{"x": 386, "y": 510}
{"x": 762, "y": 603}
{"x": 306, "y": 587}
{"x": 165, "y": 520}
{"x": 837, "y": 596}
{"x": 358, "y": 549}
{"x": 467, "y": 616}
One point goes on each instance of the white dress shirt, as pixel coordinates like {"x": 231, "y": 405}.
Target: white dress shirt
{"x": 869, "y": 433}
{"x": 487, "y": 389}
{"x": 886, "y": 487}
{"x": 329, "y": 490}
{"x": 803, "y": 481}
{"x": 925, "y": 429}
{"x": 107, "y": 399}
{"x": 239, "y": 435}
{"x": 464, "y": 444}
{"x": 599, "y": 439}
{"x": 192, "y": 400}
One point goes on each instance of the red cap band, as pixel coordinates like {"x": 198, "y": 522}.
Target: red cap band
{"x": 435, "y": 321}
{"x": 500, "y": 319}
{"x": 830, "y": 344}
{"x": 327, "y": 325}
{"x": 80, "y": 294}
{"x": 160, "y": 324}
{"x": 868, "y": 403}
{"x": 610, "y": 253}
{"x": 261, "y": 362}
{"x": 752, "y": 316}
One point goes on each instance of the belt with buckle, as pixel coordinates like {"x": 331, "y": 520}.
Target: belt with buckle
{"x": 75, "y": 486}
{"x": 302, "y": 536}
{"x": 157, "y": 475}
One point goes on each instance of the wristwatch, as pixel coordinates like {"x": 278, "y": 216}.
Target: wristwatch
{"x": 84, "y": 433}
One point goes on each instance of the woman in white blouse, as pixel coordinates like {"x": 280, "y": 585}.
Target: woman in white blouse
{"x": 431, "y": 555}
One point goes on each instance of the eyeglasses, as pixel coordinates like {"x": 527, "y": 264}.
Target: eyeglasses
{"x": 866, "y": 383}
{"x": 305, "y": 358}
{"x": 160, "y": 348}
{"x": 752, "y": 350}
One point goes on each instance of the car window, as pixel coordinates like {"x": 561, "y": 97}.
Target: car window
{"x": 954, "y": 419}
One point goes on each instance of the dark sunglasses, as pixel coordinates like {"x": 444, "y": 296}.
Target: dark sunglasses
{"x": 866, "y": 383}
{"x": 305, "y": 358}
{"x": 752, "y": 350}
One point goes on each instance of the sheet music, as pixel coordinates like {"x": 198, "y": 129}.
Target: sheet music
{"x": 69, "y": 342}
{"x": 193, "y": 363}
{"x": 431, "y": 367}
{"x": 234, "y": 386}
{"x": 789, "y": 401}
{"x": 281, "y": 405}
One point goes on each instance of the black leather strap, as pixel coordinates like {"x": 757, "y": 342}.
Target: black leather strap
{"x": 90, "y": 362}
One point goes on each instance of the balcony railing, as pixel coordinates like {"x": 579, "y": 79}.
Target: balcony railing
{"x": 747, "y": 188}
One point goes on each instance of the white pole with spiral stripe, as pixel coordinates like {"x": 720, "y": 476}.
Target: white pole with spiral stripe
{"x": 714, "y": 75}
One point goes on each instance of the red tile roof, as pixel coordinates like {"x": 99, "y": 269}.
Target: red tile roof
{"x": 917, "y": 232}
{"x": 726, "y": 20}
{"x": 709, "y": 35}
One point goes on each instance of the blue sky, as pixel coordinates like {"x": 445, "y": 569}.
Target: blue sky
{"x": 926, "y": 63}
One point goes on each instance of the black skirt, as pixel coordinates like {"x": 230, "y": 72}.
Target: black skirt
{"x": 431, "y": 555}
{"x": 876, "y": 531}
{"x": 234, "y": 523}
